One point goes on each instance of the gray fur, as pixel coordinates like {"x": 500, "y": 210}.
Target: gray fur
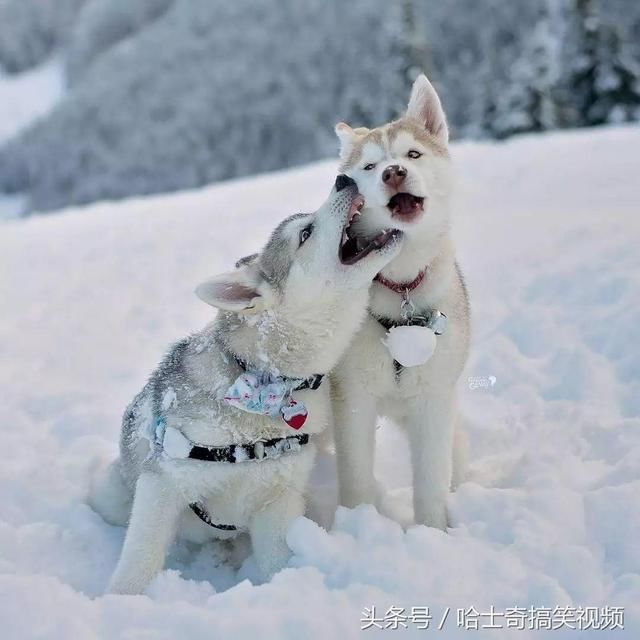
{"x": 298, "y": 323}
{"x": 277, "y": 257}
{"x": 247, "y": 260}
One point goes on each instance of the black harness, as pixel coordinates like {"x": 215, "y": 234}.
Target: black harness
{"x": 242, "y": 452}
{"x": 414, "y": 321}
{"x": 202, "y": 513}
{"x": 256, "y": 451}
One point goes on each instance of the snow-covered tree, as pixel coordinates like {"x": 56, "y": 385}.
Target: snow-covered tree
{"x": 31, "y": 29}
{"x": 473, "y": 46}
{"x": 411, "y": 43}
{"x": 528, "y": 101}
{"x": 102, "y": 24}
{"x": 600, "y": 80}
{"x": 617, "y": 80}
{"x": 206, "y": 90}
{"x": 171, "y": 94}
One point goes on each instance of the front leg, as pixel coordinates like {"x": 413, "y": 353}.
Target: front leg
{"x": 268, "y": 529}
{"x": 156, "y": 507}
{"x": 430, "y": 425}
{"x": 355, "y": 414}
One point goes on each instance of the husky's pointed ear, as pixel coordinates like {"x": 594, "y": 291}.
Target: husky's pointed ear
{"x": 347, "y": 137}
{"x": 247, "y": 260}
{"x": 233, "y": 291}
{"x": 426, "y": 108}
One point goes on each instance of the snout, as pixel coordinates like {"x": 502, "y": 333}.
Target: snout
{"x": 346, "y": 205}
{"x": 344, "y": 202}
{"x": 394, "y": 176}
{"x": 343, "y": 181}
{"x": 345, "y": 197}
{"x": 402, "y": 204}
{"x": 347, "y": 192}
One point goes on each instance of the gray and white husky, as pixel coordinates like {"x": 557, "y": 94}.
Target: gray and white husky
{"x": 199, "y": 466}
{"x": 403, "y": 170}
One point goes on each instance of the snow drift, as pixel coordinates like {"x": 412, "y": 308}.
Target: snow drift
{"x": 548, "y": 230}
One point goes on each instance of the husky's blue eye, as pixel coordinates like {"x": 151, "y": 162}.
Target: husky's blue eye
{"x": 305, "y": 234}
{"x": 414, "y": 154}
{"x": 370, "y": 166}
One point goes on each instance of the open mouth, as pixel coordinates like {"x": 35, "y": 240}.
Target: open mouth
{"x": 354, "y": 248}
{"x": 405, "y": 205}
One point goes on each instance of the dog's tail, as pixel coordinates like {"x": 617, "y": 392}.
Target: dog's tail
{"x": 109, "y": 495}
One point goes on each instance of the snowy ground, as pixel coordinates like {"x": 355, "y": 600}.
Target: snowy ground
{"x": 548, "y": 231}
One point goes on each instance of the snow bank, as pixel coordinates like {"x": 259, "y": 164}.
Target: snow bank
{"x": 547, "y": 230}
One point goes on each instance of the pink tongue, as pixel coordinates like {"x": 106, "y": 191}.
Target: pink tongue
{"x": 405, "y": 205}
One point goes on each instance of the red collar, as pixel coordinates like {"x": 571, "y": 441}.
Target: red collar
{"x": 402, "y": 287}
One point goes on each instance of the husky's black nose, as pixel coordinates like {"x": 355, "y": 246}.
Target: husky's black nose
{"x": 343, "y": 181}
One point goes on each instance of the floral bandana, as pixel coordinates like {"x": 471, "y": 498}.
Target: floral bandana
{"x": 267, "y": 396}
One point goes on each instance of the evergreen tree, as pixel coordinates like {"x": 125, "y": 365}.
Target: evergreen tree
{"x": 617, "y": 80}
{"x": 528, "y": 103}
{"x": 170, "y": 94}
{"x": 601, "y": 82}
{"x": 413, "y": 49}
